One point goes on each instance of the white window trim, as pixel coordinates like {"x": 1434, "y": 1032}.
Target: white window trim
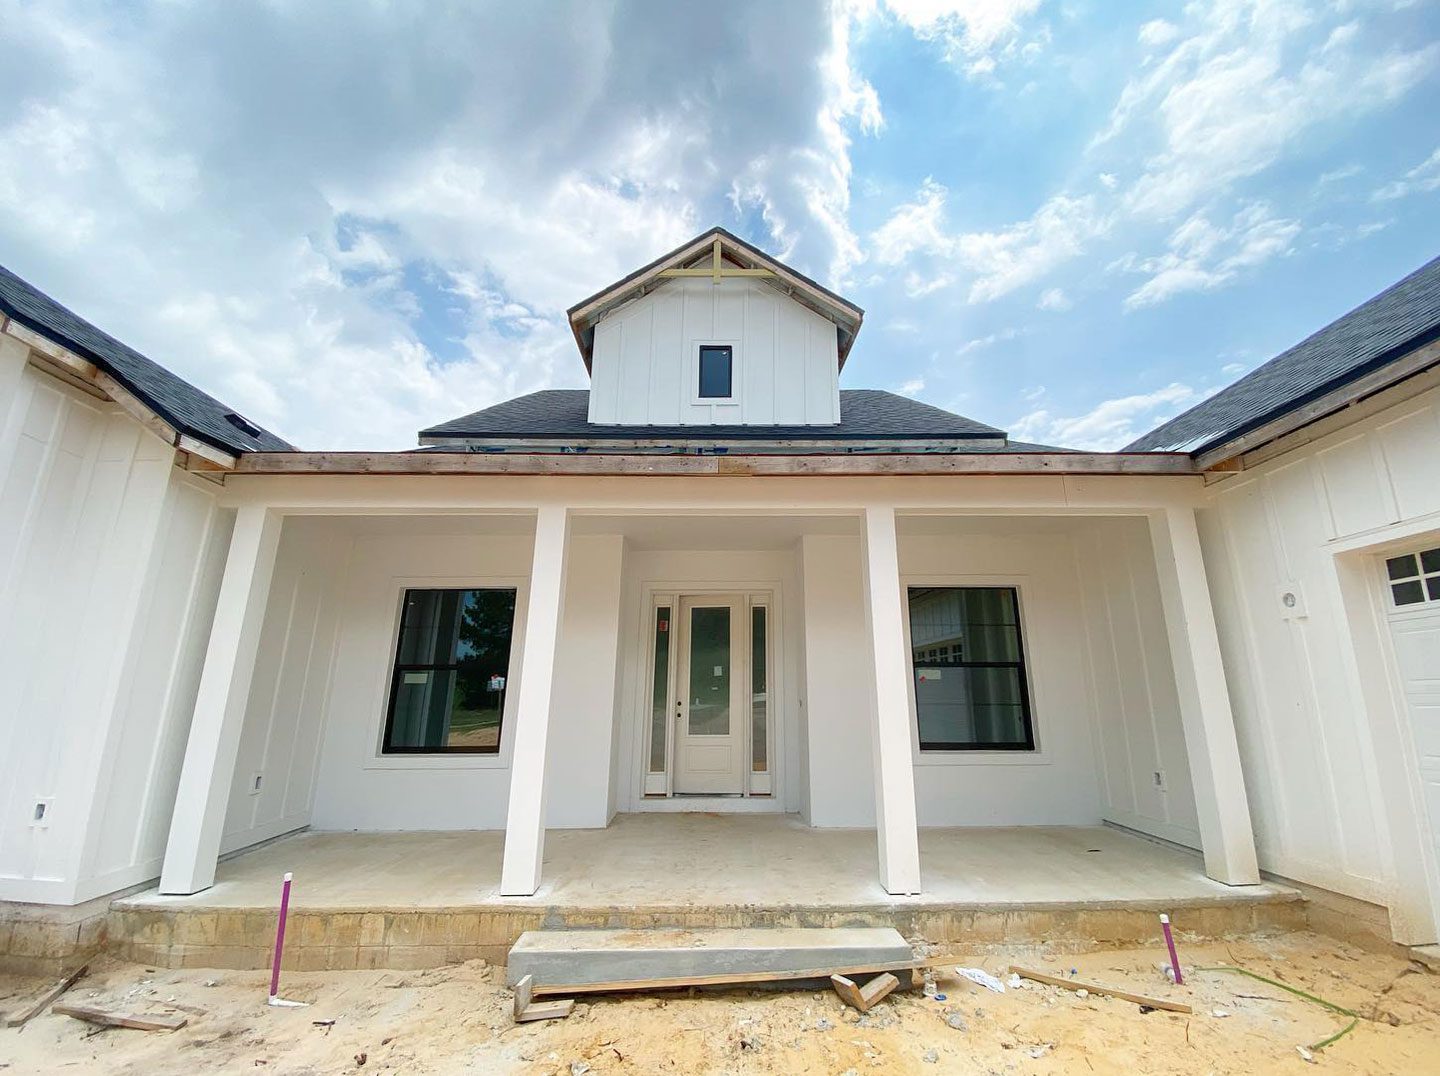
{"x": 736, "y": 366}
{"x": 397, "y": 586}
{"x": 1038, "y": 756}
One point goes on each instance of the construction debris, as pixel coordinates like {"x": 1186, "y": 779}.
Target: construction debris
{"x": 109, "y": 1018}
{"x": 1097, "y": 988}
{"x": 981, "y": 977}
{"x": 21, "y": 1016}
{"x": 864, "y": 997}
{"x": 527, "y": 1010}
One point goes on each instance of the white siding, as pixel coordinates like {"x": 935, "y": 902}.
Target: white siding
{"x": 358, "y": 788}
{"x": 644, "y": 366}
{"x": 284, "y": 716}
{"x": 1134, "y": 683}
{"x": 100, "y": 539}
{"x": 1299, "y": 704}
{"x": 1102, "y": 689}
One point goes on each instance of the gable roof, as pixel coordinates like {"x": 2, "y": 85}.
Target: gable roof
{"x": 1403, "y": 317}
{"x": 562, "y": 415}
{"x": 169, "y": 396}
{"x": 736, "y": 252}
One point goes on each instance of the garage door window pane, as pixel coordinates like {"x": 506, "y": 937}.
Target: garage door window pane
{"x": 1401, "y": 567}
{"x": 1414, "y": 577}
{"x": 1408, "y": 593}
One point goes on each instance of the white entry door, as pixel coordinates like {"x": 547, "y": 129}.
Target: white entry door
{"x": 710, "y": 696}
{"x": 1413, "y": 580}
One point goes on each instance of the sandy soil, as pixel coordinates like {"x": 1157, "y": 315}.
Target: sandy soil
{"x": 458, "y": 1020}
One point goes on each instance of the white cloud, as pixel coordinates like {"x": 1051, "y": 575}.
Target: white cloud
{"x": 1054, "y": 299}
{"x": 914, "y": 387}
{"x": 1421, "y": 179}
{"x": 980, "y": 343}
{"x": 350, "y": 223}
{"x": 1158, "y": 32}
{"x": 1239, "y": 85}
{"x": 1202, "y": 256}
{"x": 1338, "y": 175}
{"x": 976, "y": 34}
{"x": 996, "y": 262}
{"x": 1109, "y": 425}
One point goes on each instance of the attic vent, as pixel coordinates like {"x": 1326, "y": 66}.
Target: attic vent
{"x": 244, "y": 425}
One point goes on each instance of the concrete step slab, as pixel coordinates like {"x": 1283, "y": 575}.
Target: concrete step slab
{"x": 600, "y": 956}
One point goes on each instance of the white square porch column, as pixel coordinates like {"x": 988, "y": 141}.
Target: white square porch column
{"x": 204, "y": 792}
{"x": 1226, "y": 836}
{"x": 525, "y": 819}
{"x": 895, "y": 826}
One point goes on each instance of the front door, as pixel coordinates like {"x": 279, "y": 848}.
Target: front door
{"x": 710, "y": 686}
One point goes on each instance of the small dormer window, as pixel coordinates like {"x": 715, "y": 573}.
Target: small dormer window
{"x": 717, "y": 373}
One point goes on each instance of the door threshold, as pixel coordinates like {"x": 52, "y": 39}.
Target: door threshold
{"x": 709, "y": 795}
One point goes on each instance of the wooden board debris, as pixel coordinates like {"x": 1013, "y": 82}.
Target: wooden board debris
{"x": 527, "y": 1009}
{"x": 864, "y": 997}
{"x": 110, "y": 1018}
{"x": 1096, "y": 988}
{"x": 21, "y": 1016}
{"x": 618, "y": 986}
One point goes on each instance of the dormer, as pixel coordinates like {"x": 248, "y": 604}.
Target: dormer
{"x": 715, "y": 333}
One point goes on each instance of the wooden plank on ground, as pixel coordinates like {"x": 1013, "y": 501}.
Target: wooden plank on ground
{"x": 864, "y": 997}
{"x": 527, "y": 1010}
{"x": 617, "y": 986}
{"x": 21, "y": 1016}
{"x": 110, "y": 1018}
{"x": 1096, "y": 988}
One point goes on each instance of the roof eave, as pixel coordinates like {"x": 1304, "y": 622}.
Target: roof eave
{"x": 80, "y": 365}
{"x": 1411, "y": 358}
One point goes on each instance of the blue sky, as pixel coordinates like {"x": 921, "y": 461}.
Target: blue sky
{"x": 1069, "y": 219}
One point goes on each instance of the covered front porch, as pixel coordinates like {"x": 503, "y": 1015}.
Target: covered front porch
{"x": 1082, "y": 601}
{"x": 422, "y": 899}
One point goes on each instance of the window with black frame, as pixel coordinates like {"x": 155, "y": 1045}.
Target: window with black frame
{"x": 969, "y": 669}
{"x": 452, "y": 661}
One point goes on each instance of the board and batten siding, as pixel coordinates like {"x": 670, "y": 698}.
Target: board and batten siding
{"x": 1306, "y": 735}
{"x": 272, "y": 790}
{"x": 109, "y": 567}
{"x": 645, "y": 364}
{"x": 1103, "y": 697}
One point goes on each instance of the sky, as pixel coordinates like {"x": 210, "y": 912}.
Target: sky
{"x": 1068, "y": 219}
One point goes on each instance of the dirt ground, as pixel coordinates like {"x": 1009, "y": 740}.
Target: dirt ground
{"x": 458, "y": 1019}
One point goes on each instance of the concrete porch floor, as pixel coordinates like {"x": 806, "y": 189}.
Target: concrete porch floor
{"x": 410, "y": 900}
{"x": 664, "y": 861}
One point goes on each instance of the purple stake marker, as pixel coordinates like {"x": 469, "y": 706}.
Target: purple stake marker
{"x": 275, "y": 998}
{"x": 1170, "y": 944}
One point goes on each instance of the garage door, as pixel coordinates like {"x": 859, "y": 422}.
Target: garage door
{"x": 1413, "y": 580}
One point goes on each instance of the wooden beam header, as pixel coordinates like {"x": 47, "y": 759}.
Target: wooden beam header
{"x": 485, "y": 463}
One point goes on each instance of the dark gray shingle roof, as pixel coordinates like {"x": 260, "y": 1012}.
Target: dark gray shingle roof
{"x": 175, "y": 400}
{"x": 865, "y": 415}
{"x": 1398, "y": 320}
